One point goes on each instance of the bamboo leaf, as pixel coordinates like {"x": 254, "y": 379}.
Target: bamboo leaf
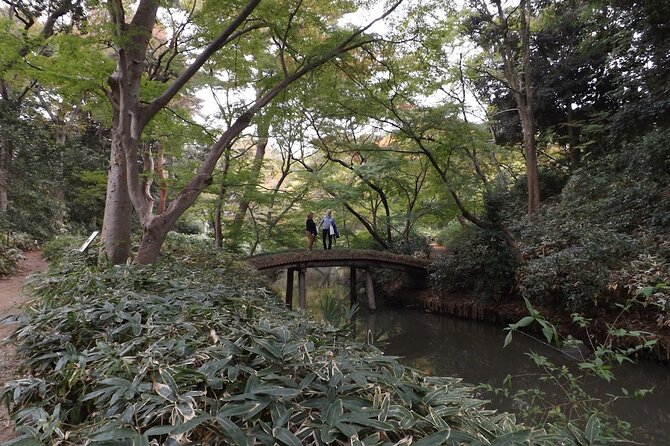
{"x": 113, "y": 434}
{"x": 286, "y": 437}
{"x": 435, "y": 439}
{"x": 512, "y": 439}
{"x": 232, "y": 431}
{"x": 334, "y": 412}
{"x": 592, "y": 429}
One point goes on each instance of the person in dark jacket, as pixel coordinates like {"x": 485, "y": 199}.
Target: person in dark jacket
{"x": 310, "y": 230}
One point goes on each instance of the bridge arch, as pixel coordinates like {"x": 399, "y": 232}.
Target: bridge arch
{"x": 354, "y": 259}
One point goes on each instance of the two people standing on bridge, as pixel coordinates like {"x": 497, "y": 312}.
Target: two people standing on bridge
{"x": 328, "y": 229}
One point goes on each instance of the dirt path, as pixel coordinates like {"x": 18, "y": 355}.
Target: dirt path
{"x": 11, "y": 298}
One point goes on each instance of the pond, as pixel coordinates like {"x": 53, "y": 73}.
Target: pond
{"x": 444, "y": 345}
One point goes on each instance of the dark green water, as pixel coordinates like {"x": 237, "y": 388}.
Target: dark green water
{"x": 473, "y": 351}
{"x": 442, "y": 345}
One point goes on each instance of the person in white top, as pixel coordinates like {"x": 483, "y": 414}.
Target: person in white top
{"x": 327, "y": 223}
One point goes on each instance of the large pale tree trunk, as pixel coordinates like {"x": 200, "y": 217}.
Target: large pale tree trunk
{"x": 118, "y": 208}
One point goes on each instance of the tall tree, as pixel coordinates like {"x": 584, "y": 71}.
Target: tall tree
{"x": 505, "y": 32}
{"x": 26, "y": 26}
{"x": 298, "y": 53}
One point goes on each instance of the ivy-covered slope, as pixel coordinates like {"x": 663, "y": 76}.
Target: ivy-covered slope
{"x": 600, "y": 237}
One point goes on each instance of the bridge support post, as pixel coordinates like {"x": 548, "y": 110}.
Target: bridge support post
{"x": 352, "y": 285}
{"x": 370, "y": 290}
{"x": 302, "y": 289}
{"x": 289, "y": 287}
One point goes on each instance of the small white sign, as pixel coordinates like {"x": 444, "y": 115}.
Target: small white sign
{"x": 88, "y": 241}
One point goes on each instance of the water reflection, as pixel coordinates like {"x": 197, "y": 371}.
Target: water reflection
{"x": 441, "y": 345}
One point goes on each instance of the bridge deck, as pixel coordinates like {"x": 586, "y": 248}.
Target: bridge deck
{"x": 358, "y": 258}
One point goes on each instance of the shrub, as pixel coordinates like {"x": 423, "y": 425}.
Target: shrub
{"x": 570, "y": 263}
{"x": 58, "y": 247}
{"x": 416, "y": 245}
{"x": 9, "y": 259}
{"x": 172, "y": 355}
{"x": 481, "y": 264}
{"x": 187, "y": 227}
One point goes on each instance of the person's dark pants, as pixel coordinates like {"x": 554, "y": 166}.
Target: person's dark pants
{"x": 327, "y": 236}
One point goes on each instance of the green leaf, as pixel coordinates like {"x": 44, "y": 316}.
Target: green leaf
{"x": 548, "y": 331}
{"x": 235, "y": 408}
{"x": 592, "y": 430}
{"x": 646, "y": 291}
{"x": 334, "y": 412}
{"x": 179, "y": 428}
{"x": 349, "y": 430}
{"x": 285, "y": 436}
{"x": 160, "y": 430}
{"x": 280, "y": 414}
{"x": 512, "y": 439}
{"x": 459, "y": 438}
{"x": 435, "y": 439}
{"x": 524, "y": 322}
{"x": 278, "y": 391}
{"x": 508, "y": 339}
{"x": 23, "y": 441}
{"x": 165, "y": 391}
{"x": 233, "y": 431}
{"x": 364, "y": 419}
{"x": 115, "y": 433}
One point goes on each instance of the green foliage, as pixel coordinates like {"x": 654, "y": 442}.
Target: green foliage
{"x": 175, "y": 354}
{"x": 18, "y": 240}
{"x": 32, "y": 207}
{"x": 481, "y": 263}
{"x": 334, "y": 310}
{"x": 187, "y": 227}
{"x": 415, "y": 245}
{"x": 61, "y": 246}
{"x": 9, "y": 259}
{"x": 649, "y": 276}
{"x": 570, "y": 264}
{"x": 585, "y": 250}
{"x": 567, "y": 396}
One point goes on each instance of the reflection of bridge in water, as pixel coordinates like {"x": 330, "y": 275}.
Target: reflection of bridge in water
{"x": 365, "y": 259}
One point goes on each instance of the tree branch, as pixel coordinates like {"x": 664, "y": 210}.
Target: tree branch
{"x": 192, "y": 69}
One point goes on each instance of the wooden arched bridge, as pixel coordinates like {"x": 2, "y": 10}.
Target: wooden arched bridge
{"x": 354, "y": 259}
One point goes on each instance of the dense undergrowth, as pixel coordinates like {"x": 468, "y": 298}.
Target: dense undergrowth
{"x": 196, "y": 351}
{"x": 12, "y": 245}
{"x": 599, "y": 238}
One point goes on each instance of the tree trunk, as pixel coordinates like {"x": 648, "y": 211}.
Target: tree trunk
{"x": 532, "y": 172}
{"x": 118, "y": 209}
{"x": 218, "y": 223}
{"x": 162, "y": 180}
{"x": 153, "y": 236}
{"x": 254, "y": 177}
{"x": 59, "y": 192}
{"x": 4, "y": 173}
{"x": 521, "y": 84}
